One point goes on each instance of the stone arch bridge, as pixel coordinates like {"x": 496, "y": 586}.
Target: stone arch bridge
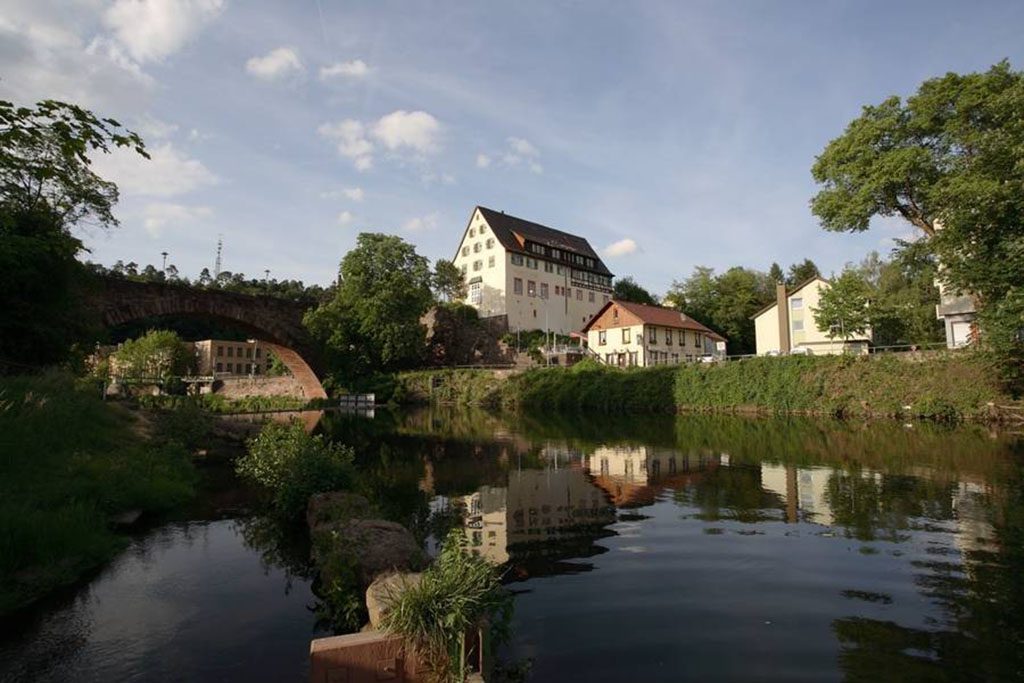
{"x": 275, "y": 322}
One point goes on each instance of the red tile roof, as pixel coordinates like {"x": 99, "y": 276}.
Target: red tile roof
{"x": 658, "y": 315}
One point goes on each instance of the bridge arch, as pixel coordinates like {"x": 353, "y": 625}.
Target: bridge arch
{"x": 276, "y": 323}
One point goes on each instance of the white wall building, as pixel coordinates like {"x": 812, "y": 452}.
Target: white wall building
{"x": 788, "y": 324}
{"x": 538, "y": 277}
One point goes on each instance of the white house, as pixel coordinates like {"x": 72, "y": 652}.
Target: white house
{"x": 627, "y": 334}
{"x": 788, "y": 326}
{"x": 537, "y": 277}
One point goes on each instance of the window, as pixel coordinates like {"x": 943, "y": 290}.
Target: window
{"x": 652, "y": 336}
{"x": 798, "y": 325}
{"x": 602, "y": 337}
{"x": 231, "y": 352}
{"x": 558, "y": 290}
{"x": 258, "y": 351}
{"x": 517, "y": 286}
{"x": 477, "y": 265}
{"x": 465, "y": 250}
{"x": 531, "y": 288}
{"x": 548, "y": 266}
{"x": 590, "y": 297}
{"x": 626, "y": 335}
{"x": 248, "y": 352}
{"x": 475, "y": 293}
{"x": 531, "y": 263}
{"x": 490, "y": 241}
{"x": 476, "y": 248}
{"x": 559, "y": 270}
{"x": 472, "y": 232}
{"x": 543, "y": 290}
{"x": 556, "y": 254}
{"x": 220, "y": 367}
{"x": 490, "y": 261}
{"x": 699, "y": 338}
{"x": 248, "y": 368}
{"x": 483, "y": 229}
{"x": 668, "y": 337}
{"x": 220, "y": 350}
{"x": 568, "y": 292}
{"x": 517, "y": 259}
{"x": 675, "y": 359}
{"x": 796, "y": 303}
{"x": 231, "y": 367}
{"x": 579, "y": 294}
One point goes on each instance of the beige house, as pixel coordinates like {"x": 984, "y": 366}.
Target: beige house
{"x": 624, "y": 333}
{"x": 537, "y": 277}
{"x": 787, "y": 326}
{"x": 222, "y": 357}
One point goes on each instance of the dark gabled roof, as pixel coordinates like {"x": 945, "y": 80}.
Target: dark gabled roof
{"x": 506, "y": 228}
{"x": 790, "y": 291}
{"x": 657, "y": 315}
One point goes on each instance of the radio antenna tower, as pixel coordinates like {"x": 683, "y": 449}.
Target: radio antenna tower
{"x": 216, "y": 265}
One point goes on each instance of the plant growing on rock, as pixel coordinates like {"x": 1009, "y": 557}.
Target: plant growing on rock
{"x": 294, "y": 465}
{"x": 459, "y": 594}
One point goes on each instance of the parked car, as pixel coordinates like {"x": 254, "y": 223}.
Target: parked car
{"x": 801, "y": 351}
{"x": 773, "y": 352}
{"x": 707, "y": 358}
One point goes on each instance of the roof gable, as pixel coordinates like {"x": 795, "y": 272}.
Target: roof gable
{"x": 790, "y": 292}
{"x": 642, "y": 314}
{"x": 513, "y": 233}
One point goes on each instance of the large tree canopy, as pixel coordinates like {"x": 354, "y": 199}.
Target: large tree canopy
{"x": 373, "y": 322}
{"x": 950, "y": 161}
{"x": 47, "y": 188}
{"x": 725, "y": 302}
{"x": 627, "y": 289}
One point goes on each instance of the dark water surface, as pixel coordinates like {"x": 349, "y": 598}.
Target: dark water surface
{"x": 655, "y": 549}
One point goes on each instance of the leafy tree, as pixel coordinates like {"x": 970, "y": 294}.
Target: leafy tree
{"x": 449, "y": 283}
{"x": 47, "y": 188}
{"x": 627, "y": 289}
{"x": 159, "y": 353}
{"x": 844, "y": 307}
{"x": 725, "y": 302}
{"x": 903, "y": 296}
{"x": 950, "y": 161}
{"x": 801, "y": 272}
{"x": 372, "y": 323}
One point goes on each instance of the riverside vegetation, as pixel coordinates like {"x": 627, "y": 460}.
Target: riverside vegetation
{"x": 839, "y": 386}
{"x": 70, "y": 465}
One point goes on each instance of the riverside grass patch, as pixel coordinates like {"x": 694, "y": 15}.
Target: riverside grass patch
{"x": 69, "y": 463}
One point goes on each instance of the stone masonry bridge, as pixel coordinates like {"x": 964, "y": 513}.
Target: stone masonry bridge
{"x": 277, "y": 323}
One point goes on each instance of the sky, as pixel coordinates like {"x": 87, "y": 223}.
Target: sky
{"x": 669, "y": 134}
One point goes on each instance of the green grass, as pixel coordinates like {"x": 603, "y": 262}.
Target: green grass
{"x": 591, "y": 387}
{"x": 69, "y": 463}
{"x": 461, "y": 387}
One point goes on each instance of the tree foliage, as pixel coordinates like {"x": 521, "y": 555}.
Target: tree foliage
{"x": 372, "y": 324}
{"x": 725, "y": 302}
{"x": 950, "y": 161}
{"x": 158, "y": 353}
{"x": 47, "y": 188}
{"x": 448, "y": 282}
{"x": 627, "y": 289}
{"x": 844, "y": 307}
{"x": 802, "y": 272}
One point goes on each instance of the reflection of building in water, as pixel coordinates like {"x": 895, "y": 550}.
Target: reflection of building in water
{"x": 632, "y": 476}
{"x": 804, "y": 490}
{"x": 537, "y": 505}
{"x": 973, "y": 526}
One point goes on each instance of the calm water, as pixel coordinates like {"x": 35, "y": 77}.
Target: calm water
{"x": 704, "y": 549}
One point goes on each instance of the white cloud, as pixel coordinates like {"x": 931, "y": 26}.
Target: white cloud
{"x": 482, "y": 161}
{"x": 276, "y": 64}
{"x": 356, "y": 194}
{"x": 536, "y": 168}
{"x": 167, "y": 173}
{"x": 345, "y": 218}
{"x": 158, "y": 215}
{"x": 355, "y": 69}
{"x": 621, "y": 248}
{"x": 150, "y": 30}
{"x": 421, "y": 223}
{"x": 417, "y": 130}
{"x": 350, "y": 137}
{"x": 523, "y": 147}
{"x": 152, "y": 128}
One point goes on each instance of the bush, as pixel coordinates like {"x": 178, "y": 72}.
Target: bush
{"x": 593, "y": 387}
{"x": 458, "y": 594}
{"x": 293, "y": 465}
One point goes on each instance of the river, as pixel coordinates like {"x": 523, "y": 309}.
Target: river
{"x": 660, "y": 548}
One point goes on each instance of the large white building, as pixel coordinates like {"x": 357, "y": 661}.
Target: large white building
{"x": 538, "y": 277}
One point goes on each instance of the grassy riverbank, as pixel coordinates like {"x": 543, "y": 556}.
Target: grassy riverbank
{"x": 958, "y": 386}
{"x": 69, "y": 465}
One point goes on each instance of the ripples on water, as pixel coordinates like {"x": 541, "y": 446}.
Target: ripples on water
{"x": 644, "y": 549}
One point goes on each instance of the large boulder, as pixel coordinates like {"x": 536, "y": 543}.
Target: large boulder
{"x": 383, "y": 591}
{"x": 364, "y": 549}
{"x": 336, "y": 507}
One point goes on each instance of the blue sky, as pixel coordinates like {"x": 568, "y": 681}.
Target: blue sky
{"x": 669, "y": 134}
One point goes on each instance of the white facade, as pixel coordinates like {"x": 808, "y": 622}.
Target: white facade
{"x": 546, "y": 290}
{"x": 803, "y": 332}
{"x": 627, "y": 334}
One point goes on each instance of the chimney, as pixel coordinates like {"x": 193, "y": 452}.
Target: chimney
{"x": 782, "y": 303}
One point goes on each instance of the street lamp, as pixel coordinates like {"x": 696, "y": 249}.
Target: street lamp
{"x": 164, "y": 265}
